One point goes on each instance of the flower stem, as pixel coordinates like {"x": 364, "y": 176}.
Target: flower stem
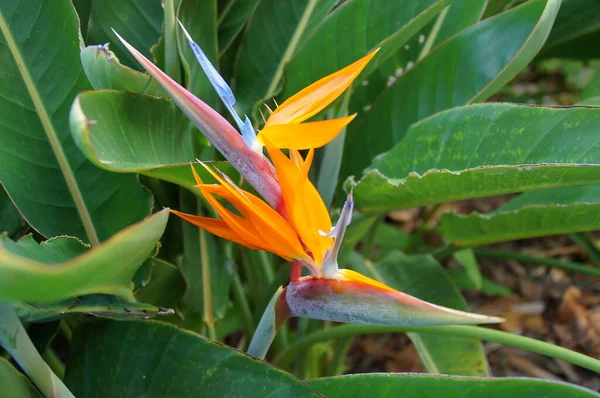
{"x": 295, "y": 271}
{"x": 16, "y": 342}
{"x": 268, "y": 269}
{"x": 496, "y": 336}
{"x": 66, "y": 329}
{"x": 55, "y": 363}
{"x": 267, "y": 328}
{"x": 171, "y": 54}
{"x": 551, "y": 262}
{"x": 242, "y": 302}
{"x": 206, "y": 286}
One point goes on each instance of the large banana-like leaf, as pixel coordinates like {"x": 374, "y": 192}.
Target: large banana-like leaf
{"x": 467, "y": 68}
{"x": 168, "y": 361}
{"x": 63, "y": 267}
{"x": 55, "y": 187}
{"x": 483, "y": 150}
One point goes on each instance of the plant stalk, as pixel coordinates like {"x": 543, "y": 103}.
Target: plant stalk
{"x": 480, "y": 333}
{"x": 206, "y": 281}
{"x": 55, "y": 363}
{"x": 172, "y": 67}
{"x": 242, "y": 301}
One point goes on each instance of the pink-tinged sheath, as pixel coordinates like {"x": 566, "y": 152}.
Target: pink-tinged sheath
{"x": 357, "y": 302}
{"x": 252, "y": 165}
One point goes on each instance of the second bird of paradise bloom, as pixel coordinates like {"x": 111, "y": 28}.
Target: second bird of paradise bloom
{"x": 293, "y": 222}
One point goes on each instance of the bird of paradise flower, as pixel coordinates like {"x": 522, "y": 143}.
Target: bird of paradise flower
{"x": 292, "y": 221}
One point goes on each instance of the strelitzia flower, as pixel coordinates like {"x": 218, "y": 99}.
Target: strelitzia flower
{"x": 293, "y": 222}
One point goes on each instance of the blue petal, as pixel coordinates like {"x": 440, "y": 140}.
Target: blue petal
{"x": 221, "y": 87}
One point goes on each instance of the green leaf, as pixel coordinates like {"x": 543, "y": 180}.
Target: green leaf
{"x": 167, "y": 361}
{"x": 357, "y": 229}
{"x": 467, "y": 259}
{"x": 14, "y": 384}
{"x": 387, "y": 25}
{"x": 539, "y": 213}
{"x": 131, "y": 133}
{"x": 389, "y": 238}
{"x": 200, "y": 19}
{"x": 165, "y": 287}
{"x": 100, "y": 305}
{"x": 557, "y": 196}
{"x": 433, "y": 386}
{"x": 464, "y": 282}
{"x": 423, "y": 277}
{"x": 468, "y": 68}
{"x": 10, "y": 218}
{"x": 113, "y": 136}
{"x": 529, "y": 222}
{"x": 138, "y": 21}
{"x": 104, "y": 71}
{"x": 483, "y": 150}
{"x": 576, "y": 32}
{"x": 56, "y": 189}
{"x": 62, "y": 267}
{"x": 232, "y": 20}
{"x": 274, "y": 34}
{"x": 17, "y": 343}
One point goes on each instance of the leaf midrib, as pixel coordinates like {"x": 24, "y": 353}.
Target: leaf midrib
{"x": 291, "y": 47}
{"x": 53, "y": 138}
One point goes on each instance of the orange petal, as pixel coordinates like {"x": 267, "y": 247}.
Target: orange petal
{"x": 296, "y": 157}
{"x": 242, "y": 227}
{"x": 269, "y": 227}
{"x": 215, "y": 227}
{"x": 314, "y": 98}
{"x": 304, "y": 221}
{"x": 319, "y": 214}
{"x": 196, "y": 175}
{"x": 312, "y": 214}
{"x": 287, "y": 172}
{"x": 304, "y": 135}
{"x": 302, "y": 200}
